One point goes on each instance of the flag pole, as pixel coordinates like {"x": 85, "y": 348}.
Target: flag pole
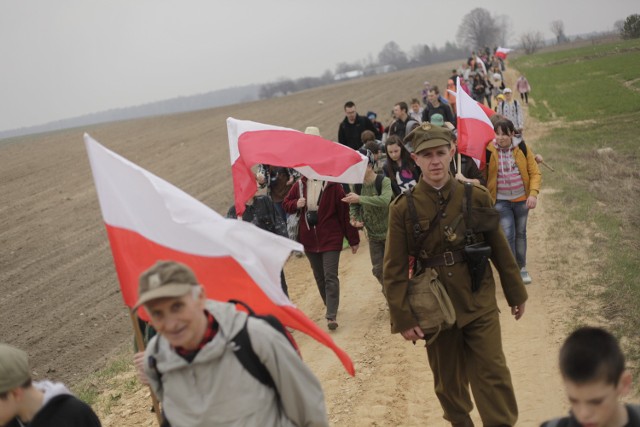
{"x": 459, "y": 163}
{"x": 140, "y": 343}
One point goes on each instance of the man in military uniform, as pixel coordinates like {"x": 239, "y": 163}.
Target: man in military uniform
{"x": 470, "y": 353}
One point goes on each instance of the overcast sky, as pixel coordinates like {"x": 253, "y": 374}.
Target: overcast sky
{"x": 64, "y": 58}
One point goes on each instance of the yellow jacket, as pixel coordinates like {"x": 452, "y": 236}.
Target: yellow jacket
{"x": 527, "y": 165}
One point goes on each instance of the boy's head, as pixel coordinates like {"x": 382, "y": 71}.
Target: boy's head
{"x": 14, "y": 377}
{"x": 593, "y": 369}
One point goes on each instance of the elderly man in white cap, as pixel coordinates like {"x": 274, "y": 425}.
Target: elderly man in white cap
{"x": 197, "y": 364}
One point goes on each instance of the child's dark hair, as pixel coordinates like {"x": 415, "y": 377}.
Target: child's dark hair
{"x": 505, "y": 125}
{"x": 591, "y": 354}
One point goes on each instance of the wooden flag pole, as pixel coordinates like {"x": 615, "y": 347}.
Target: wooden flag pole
{"x": 140, "y": 343}
{"x": 550, "y": 168}
{"x": 459, "y": 164}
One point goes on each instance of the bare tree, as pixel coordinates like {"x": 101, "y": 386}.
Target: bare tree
{"x": 391, "y": 54}
{"x": 504, "y": 29}
{"x": 531, "y": 42}
{"x": 557, "y": 28}
{"x": 478, "y": 29}
{"x": 618, "y": 26}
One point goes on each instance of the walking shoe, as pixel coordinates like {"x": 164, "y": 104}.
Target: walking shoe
{"x": 526, "y": 279}
{"x": 332, "y": 324}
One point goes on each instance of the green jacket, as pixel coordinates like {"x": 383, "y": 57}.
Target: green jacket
{"x": 468, "y": 305}
{"x": 373, "y": 209}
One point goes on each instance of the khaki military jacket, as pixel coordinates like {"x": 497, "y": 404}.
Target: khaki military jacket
{"x": 468, "y": 305}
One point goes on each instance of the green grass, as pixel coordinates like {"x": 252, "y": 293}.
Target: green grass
{"x": 594, "y": 90}
{"x": 585, "y": 83}
{"x": 93, "y": 390}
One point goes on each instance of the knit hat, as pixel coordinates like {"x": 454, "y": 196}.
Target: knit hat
{"x": 14, "y": 368}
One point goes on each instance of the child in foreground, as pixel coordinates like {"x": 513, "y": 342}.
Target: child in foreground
{"x": 593, "y": 370}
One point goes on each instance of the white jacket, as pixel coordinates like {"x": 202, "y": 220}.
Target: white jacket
{"x": 215, "y": 389}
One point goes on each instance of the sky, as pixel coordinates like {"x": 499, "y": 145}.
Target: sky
{"x": 66, "y": 58}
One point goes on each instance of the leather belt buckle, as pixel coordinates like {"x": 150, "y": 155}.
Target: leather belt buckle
{"x": 448, "y": 258}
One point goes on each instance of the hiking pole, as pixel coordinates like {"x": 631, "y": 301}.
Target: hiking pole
{"x": 140, "y": 343}
{"x": 549, "y": 167}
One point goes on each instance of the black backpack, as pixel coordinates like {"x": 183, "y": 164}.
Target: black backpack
{"x": 379, "y": 177}
{"x": 248, "y": 357}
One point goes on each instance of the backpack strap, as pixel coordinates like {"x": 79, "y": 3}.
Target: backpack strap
{"x": 379, "y": 179}
{"x": 358, "y": 187}
{"x": 523, "y": 147}
{"x": 250, "y": 360}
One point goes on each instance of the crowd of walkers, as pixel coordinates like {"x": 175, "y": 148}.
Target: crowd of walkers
{"x": 427, "y": 212}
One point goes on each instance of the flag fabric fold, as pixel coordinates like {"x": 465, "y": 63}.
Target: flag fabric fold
{"x": 502, "y": 52}
{"x": 251, "y": 143}
{"x": 147, "y": 219}
{"x": 475, "y": 130}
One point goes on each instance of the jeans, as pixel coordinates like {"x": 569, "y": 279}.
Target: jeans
{"x": 513, "y": 220}
{"x": 325, "y": 271}
{"x": 376, "y": 251}
{"x": 280, "y": 210}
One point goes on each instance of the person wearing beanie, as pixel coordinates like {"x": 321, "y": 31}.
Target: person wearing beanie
{"x": 24, "y": 402}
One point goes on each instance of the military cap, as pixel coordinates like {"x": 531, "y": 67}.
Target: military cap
{"x": 14, "y": 368}
{"x": 428, "y": 136}
{"x": 165, "y": 279}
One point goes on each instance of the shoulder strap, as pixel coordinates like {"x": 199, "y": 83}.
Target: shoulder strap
{"x": 358, "y": 187}
{"x": 379, "y": 179}
{"x": 418, "y": 234}
{"x": 516, "y": 105}
{"x": 523, "y": 148}
{"x": 249, "y": 359}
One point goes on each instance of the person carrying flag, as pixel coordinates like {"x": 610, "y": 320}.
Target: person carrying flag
{"x": 193, "y": 368}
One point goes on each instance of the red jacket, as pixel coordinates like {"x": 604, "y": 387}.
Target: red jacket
{"x": 333, "y": 219}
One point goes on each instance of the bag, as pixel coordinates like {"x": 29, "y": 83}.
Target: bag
{"x": 430, "y": 304}
{"x": 312, "y": 218}
{"x": 428, "y": 298}
{"x": 266, "y": 217}
{"x": 293, "y": 221}
{"x": 245, "y": 353}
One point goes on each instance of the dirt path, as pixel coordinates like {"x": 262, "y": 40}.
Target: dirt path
{"x": 59, "y": 297}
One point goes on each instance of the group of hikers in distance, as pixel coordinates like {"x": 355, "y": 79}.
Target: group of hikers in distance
{"x": 433, "y": 221}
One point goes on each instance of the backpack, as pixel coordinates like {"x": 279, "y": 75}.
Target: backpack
{"x": 266, "y": 217}
{"x": 379, "y": 177}
{"x": 248, "y": 358}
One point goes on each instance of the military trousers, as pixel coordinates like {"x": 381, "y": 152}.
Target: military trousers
{"x": 473, "y": 356}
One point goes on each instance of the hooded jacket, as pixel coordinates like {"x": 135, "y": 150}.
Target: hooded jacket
{"x": 333, "y": 219}
{"x": 60, "y": 408}
{"x": 531, "y": 176}
{"x": 216, "y": 390}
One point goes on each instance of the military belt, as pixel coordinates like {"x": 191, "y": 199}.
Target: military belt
{"x": 447, "y": 259}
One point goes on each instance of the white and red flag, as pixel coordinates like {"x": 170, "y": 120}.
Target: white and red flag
{"x": 251, "y": 143}
{"x": 502, "y": 52}
{"x": 475, "y": 130}
{"x": 148, "y": 219}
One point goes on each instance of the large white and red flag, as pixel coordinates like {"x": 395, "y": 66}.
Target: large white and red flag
{"x": 148, "y": 219}
{"x": 502, "y": 52}
{"x": 251, "y": 143}
{"x": 475, "y": 130}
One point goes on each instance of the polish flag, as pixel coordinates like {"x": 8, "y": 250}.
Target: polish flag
{"x": 251, "y": 143}
{"x": 475, "y": 130}
{"x": 502, "y": 52}
{"x": 148, "y": 220}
